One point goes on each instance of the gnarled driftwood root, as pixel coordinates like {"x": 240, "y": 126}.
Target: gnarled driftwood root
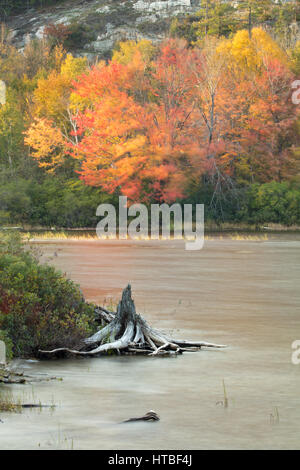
{"x": 127, "y": 332}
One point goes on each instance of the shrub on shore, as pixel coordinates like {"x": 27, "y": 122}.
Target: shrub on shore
{"x": 39, "y": 307}
{"x": 272, "y": 202}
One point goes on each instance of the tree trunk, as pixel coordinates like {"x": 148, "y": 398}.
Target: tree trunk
{"x": 250, "y": 22}
{"x": 128, "y": 333}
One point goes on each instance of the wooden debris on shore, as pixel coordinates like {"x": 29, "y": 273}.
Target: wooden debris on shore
{"x": 7, "y": 376}
{"x": 126, "y": 332}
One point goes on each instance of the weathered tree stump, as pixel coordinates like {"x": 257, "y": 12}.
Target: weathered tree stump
{"x": 127, "y": 332}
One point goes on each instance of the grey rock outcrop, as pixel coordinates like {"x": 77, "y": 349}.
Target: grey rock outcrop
{"x": 107, "y": 21}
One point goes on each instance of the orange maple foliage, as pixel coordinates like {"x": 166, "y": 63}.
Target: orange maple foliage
{"x": 152, "y": 121}
{"x": 138, "y": 149}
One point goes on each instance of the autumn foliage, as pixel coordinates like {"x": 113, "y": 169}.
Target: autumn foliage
{"x": 155, "y": 121}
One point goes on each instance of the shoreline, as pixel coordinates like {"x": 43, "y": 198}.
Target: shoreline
{"x": 210, "y": 227}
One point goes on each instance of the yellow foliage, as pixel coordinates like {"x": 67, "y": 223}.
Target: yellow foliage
{"x": 59, "y": 54}
{"x": 52, "y": 95}
{"x": 130, "y": 49}
{"x": 72, "y": 67}
{"x": 249, "y": 54}
{"x": 295, "y": 58}
{"x": 47, "y": 144}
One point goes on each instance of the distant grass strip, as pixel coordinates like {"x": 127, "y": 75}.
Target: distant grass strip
{"x": 71, "y": 236}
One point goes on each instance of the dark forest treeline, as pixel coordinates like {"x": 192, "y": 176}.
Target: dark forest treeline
{"x": 9, "y": 7}
{"x": 222, "y": 19}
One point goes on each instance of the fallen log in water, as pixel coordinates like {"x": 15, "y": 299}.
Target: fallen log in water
{"x": 150, "y": 416}
{"x": 127, "y": 332}
{"x": 34, "y": 405}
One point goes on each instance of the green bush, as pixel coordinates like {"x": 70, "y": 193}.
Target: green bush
{"x": 256, "y": 204}
{"x": 272, "y": 202}
{"x": 79, "y": 34}
{"x": 50, "y": 201}
{"x": 39, "y": 307}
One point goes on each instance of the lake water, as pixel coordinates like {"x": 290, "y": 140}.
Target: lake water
{"x": 241, "y": 293}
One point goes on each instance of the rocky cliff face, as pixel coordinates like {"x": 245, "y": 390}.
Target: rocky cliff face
{"x": 103, "y": 21}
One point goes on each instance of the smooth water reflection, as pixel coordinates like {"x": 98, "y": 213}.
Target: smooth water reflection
{"x": 244, "y": 294}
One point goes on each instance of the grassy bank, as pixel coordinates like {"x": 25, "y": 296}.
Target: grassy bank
{"x": 89, "y": 233}
{"x": 65, "y": 236}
